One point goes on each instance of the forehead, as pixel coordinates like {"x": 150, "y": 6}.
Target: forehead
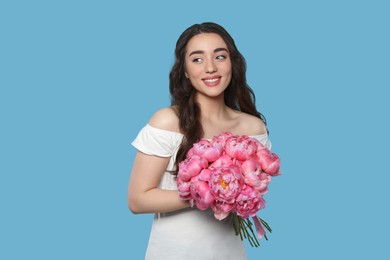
{"x": 205, "y": 42}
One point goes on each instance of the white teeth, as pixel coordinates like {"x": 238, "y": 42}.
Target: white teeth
{"x": 211, "y": 80}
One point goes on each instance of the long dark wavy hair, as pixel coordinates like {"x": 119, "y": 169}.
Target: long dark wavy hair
{"x": 238, "y": 95}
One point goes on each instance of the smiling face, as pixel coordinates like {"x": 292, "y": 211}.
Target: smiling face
{"x": 207, "y": 64}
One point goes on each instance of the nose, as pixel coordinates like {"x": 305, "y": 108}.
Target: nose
{"x": 211, "y": 66}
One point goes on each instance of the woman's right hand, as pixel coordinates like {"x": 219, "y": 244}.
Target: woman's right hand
{"x": 143, "y": 194}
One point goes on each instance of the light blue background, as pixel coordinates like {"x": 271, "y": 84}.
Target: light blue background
{"x": 80, "y": 78}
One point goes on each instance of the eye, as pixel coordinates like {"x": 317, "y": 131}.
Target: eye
{"x": 197, "y": 60}
{"x": 221, "y": 57}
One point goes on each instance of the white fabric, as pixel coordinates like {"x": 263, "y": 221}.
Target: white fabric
{"x": 188, "y": 234}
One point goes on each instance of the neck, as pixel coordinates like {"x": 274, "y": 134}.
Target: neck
{"x": 212, "y": 108}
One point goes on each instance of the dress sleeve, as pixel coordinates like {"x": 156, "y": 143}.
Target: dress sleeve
{"x": 264, "y": 140}
{"x": 155, "y": 141}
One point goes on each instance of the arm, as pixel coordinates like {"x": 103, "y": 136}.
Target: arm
{"x": 143, "y": 194}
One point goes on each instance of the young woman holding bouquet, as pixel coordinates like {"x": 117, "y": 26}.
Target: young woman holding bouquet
{"x": 209, "y": 96}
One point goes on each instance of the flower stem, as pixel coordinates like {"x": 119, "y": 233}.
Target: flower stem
{"x": 244, "y": 228}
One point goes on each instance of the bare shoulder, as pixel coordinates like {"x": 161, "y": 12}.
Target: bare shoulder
{"x": 165, "y": 119}
{"x": 252, "y": 125}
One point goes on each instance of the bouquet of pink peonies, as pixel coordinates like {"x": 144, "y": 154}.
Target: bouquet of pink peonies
{"x": 229, "y": 174}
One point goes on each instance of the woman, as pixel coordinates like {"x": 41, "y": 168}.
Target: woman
{"x": 209, "y": 96}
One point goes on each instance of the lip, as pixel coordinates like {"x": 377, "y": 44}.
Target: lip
{"x": 212, "y": 81}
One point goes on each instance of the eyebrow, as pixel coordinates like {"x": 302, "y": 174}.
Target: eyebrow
{"x": 216, "y": 50}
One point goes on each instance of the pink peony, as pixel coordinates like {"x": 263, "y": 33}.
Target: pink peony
{"x": 223, "y": 161}
{"x": 270, "y": 162}
{"x": 191, "y": 167}
{"x": 225, "y": 183}
{"x": 251, "y": 171}
{"x": 205, "y": 175}
{"x": 184, "y": 189}
{"x": 206, "y": 149}
{"x": 200, "y": 192}
{"x": 260, "y": 147}
{"x": 241, "y": 147}
{"x": 265, "y": 180}
{"x": 248, "y": 202}
{"x": 220, "y": 140}
{"x": 222, "y": 209}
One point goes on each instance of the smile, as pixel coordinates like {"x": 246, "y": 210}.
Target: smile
{"x": 210, "y": 82}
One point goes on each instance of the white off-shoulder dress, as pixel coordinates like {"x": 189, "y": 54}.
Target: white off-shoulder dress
{"x": 189, "y": 234}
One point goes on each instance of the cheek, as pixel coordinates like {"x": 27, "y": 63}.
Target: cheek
{"x": 229, "y": 72}
{"x": 228, "y": 68}
{"x": 193, "y": 71}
